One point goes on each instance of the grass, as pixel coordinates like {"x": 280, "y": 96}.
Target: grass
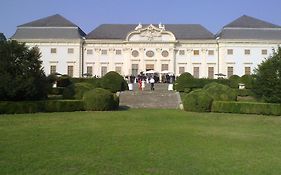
{"x": 139, "y": 142}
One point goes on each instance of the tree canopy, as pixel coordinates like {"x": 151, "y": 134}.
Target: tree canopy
{"x": 21, "y": 74}
{"x": 267, "y": 84}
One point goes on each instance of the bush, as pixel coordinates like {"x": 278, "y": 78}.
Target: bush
{"x": 220, "y": 92}
{"x": 234, "y": 81}
{"x": 9, "y": 107}
{"x": 69, "y": 92}
{"x": 244, "y": 92}
{"x": 95, "y": 82}
{"x": 77, "y": 90}
{"x": 185, "y": 81}
{"x": 64, "y": 81}
{"x": 113, "y": 82}
{"x": 197, "y": 101}
{"x": 63, "y": 105}
{"x": 248, "y": 80}
{"x": 56, "y": 91}
{"x": 100, "y": 100}
{"x": 246, "y": 108}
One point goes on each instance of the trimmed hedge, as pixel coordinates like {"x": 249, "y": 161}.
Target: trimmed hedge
{"x": 8, "y": 107}
{"x": 113, "y": 82}
{"x": 56, "y": 91}
{"x": 197, "y": 101}
{"x": 220, "y": 92}
{"x": 246, "y": 108}
{"x": 77, "y": 90}
{"x": 100, "y": 100}
{"x": 185, "y": 82}
{"x": 245, "y": 92}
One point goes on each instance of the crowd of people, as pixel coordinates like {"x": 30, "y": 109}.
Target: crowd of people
{"x": 143, "y": 79}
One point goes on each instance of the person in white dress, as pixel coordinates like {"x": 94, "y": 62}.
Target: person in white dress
{"x": 152, "y": 81}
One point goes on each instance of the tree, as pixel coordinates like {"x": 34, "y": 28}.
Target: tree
{"x": 21, "y": 74}
{"x": 267, "y": 78}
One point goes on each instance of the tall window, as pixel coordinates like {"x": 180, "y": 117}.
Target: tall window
{"x": 247, "y": 70}
{"x": 211, "y": 52}
{"x": 211, "y": 72}
{"x": 181, "y": 52}
{"x": 118, "y": 69}
{"x": 164, "y": 67}
{"x": 70, "y": 50}
{"x": 53, "y": 69}
{"x": 229, "y": 51}
{"x": 89, "y": 51}
{"x": 196, "y": 52}
{"x": 90, "y": 70}
{"x": 70, "y": 71}
{"x": 196, "y": 72}
{"x": 181, "y": 70}
{"x": 104, "y": 52}
{"x": 118, "y": 52}
{"x": 53, "y": 50}
{"x": 247, "y": 51}
{"x": 135, "y": 69}
{"x": 229, "y": 71}
{"x": 264, "y": 52}
{"x": 103, "y": 70}
{"x": 149, "y": 67}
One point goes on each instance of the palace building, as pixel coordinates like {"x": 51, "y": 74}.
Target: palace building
{"x": 133, "y": 48}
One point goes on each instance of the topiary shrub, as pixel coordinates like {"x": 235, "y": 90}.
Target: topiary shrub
{"x": 248, "y": 80}
{"x": 183, "y": 81}
{"x": 220, "y": 92}
{"x": 234, "y": 81}
{"x": 63, "y": 81}
{"x": 81, "y": 88}
{"x": 99, "y": 100}
{"x": 113, "y": 82}
{"x": 197, "y": 101}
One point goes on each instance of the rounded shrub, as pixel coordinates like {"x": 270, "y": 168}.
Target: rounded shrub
{"x": 63, "y": 81}
{"x": 113, "y": 82}
{"x": 248, "y": 80}
{"x": 183, "y": 82}
{"x": 100, "y": 100}
{"x": 197, "y": 101}
{"x": 234, "y": 81}
{"x": 76, "y": 91}
{"x": 220, "y": 92}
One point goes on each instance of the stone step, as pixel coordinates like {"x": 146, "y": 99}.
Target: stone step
{"x": 159, "y": 98}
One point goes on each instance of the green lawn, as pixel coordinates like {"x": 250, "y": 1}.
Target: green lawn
{"x": 139, "y": 142}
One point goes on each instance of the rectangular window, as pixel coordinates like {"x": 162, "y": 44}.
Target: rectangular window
{"x": 104, "y": 52}
{"x": 118, "y": 52}
{"x": 247, "y": 70}
{"x": 247, "y": 51}
{"x": 135, "y": 69}
{"x": 229, "y": 51}
{"x": 229, "y": 71}
{"x": 211, "y": 52}
{"x": 89, "y": 70}
{"x": 118, "y": 69}
{"x": 103, "y": 70}
{"x": 149, "y": 67}
{"x": 53, "y": 69}
{"x": 70, "y": 50}
{"x": 264, "y": 52}
{"x": 181, "y": 70}
{"x": 89, "y": 51}
{"x": 70, "y": 71}
{"x": 181, "y": 52}
{"x": 196, "y": 52}
{"x": 196, "y": 72}
{"x": 53, "y": 50}
{"x": 164, "y": 67}
{"x": 211, "y": 72}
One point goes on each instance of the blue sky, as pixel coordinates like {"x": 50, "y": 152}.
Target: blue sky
{"x": 88, "y": 14}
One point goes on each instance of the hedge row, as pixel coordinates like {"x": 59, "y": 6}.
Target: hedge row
{"x": 246, "y": 108}
{"x": 8, "y": 107}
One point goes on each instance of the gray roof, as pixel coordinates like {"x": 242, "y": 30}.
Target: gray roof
{"x": 120, "y": 31}
{"x": 250, "y": 22}
{"x": 52, "y": 27}
{"x": 2, "y": 37}
{"x": 247, "y": 27}
{"x": 50, "y": 21}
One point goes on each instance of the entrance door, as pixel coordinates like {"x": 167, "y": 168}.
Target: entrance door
{"x": 149, "y": 67}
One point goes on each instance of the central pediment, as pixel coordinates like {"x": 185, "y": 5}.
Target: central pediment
{"x": 150, "y": 33}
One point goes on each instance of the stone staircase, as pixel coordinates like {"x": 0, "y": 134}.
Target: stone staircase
{"x": 160, "y": 98}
